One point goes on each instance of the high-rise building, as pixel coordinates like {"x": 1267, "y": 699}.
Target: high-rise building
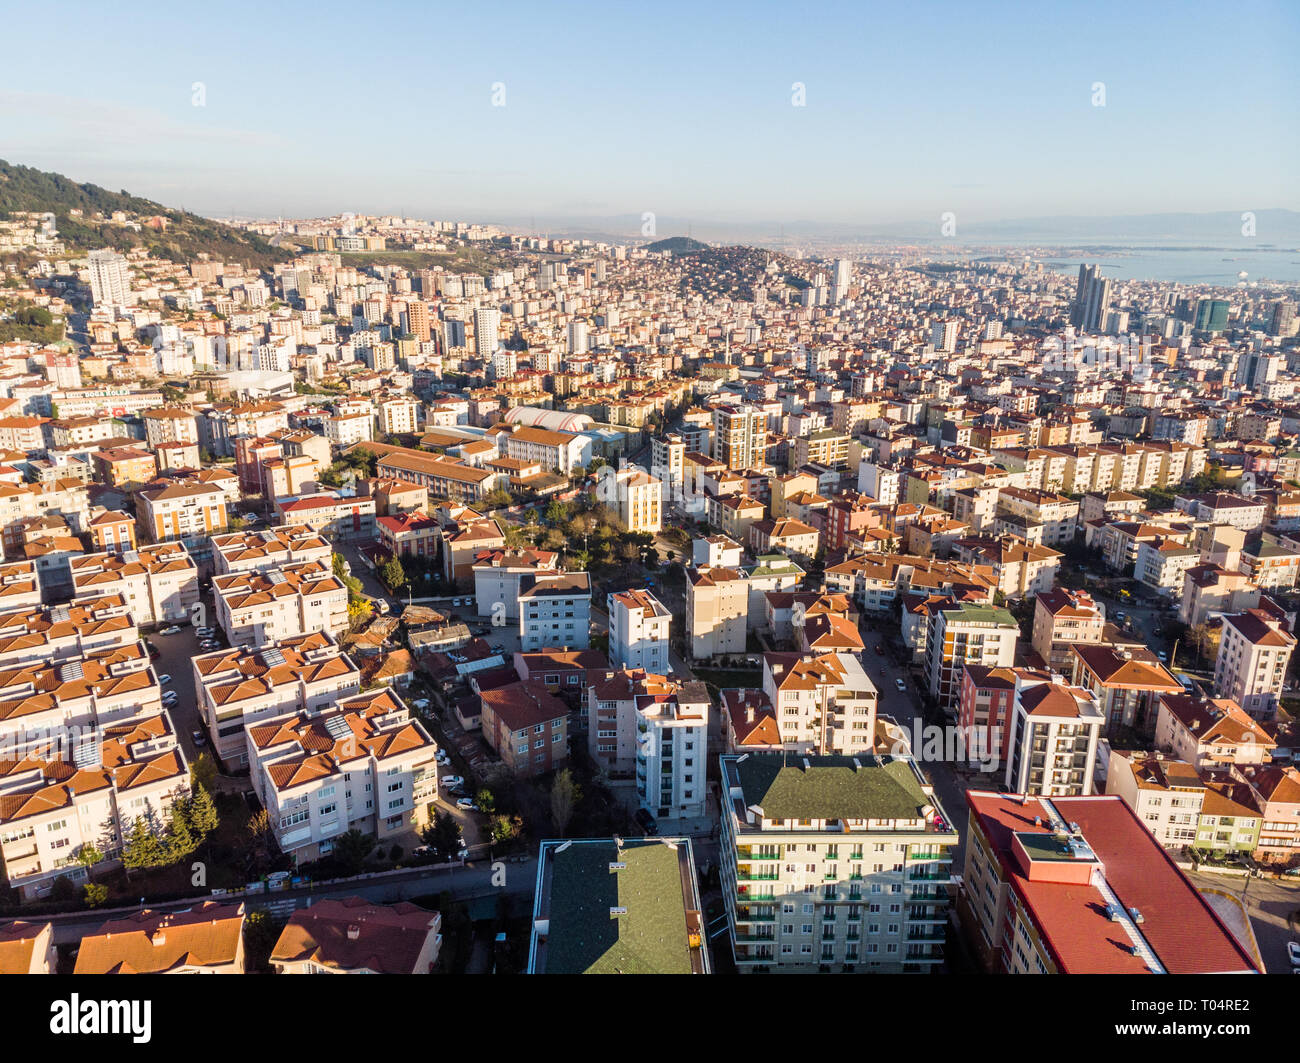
{"x": 944, "y": 336}
{"x": 1078, "y": 885}
{"x": 1091, "y": 300}
{"x": 487, "y": 329}
{"x": 833, "y": 863}
{"x": 1211, "y": 315}
{"x": 417, "y": 320}
{"x": 1254, "y": 652}
{"x": 739, "y": 436}
{"x": 1282, "y": 322}
{"x": 110, "y": 278}
{"x": 577, "y": 337}
{"x": 453, "y": 334}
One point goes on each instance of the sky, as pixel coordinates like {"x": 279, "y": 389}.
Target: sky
{"x": 686, "y": 111}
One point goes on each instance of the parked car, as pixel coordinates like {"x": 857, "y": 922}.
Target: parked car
{"x": 456, "y": 603}
{"x": 441, "y": 757}
{"x": 498, "y": 648}
{"x": 1293, "y": 952}
{"x": 452, "y": 780}
{"x": 164, "y": 679}
{"x": 170, "y": 629}
{"x": 209, "y": 644}
{"x": 421, "y": 703}
{"x": 900, "y": 684}
{"x": 462, "y": 854}
{"x": 200, "y": 739}
{"x": 1161, "y": 655}
{"x": 646, "y": 821}
{"x": 467, "y": 804}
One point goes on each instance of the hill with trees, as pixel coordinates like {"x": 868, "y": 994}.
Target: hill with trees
{"x": 179, "y": 237}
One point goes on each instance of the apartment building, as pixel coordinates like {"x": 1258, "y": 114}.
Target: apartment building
{"x": 554, "y": 610}
{"x": 357, "y": 763}
{"x": 399, "y": 415}
{"x": 347, "y": 517}
{"x": 271, "y": 548}
{"x": 206, "y": 939}
{"x": 1165, "y": 793}
{"x": 170, "y": 425}
{"x": 609, "y": 702}
{"x": 441, "y": 478}
{"x": 1210, "y": 732}
{"x": 111, "y": 530}
{"x": 560, "y": 452}
{"x": 961, "y": 634}
{"x": 1254, "y": 651}
{"x": 640, "y": 500}
{"x": 37, "y": 633}
{"x": 66, "y": 497}
{"x": 27, "y": 948}
{"x": 825, "y": 447}
{"x": 20, "y": 585}
{"x": 1052, "y": 748}
{"x": 463, "y": 535}
{"x": 717, "y": 611}
{"x": 638, "y": 632}
{"x": 189, "y": 512}
{"x": 355, "y": 936}
{"x": 1127, "y": 684}
{"x": 823, "y": 704}
{"x": 54, "y": 801}
{"x": 499, "y": 575}
{"x": 617, "y": 906}
{"x": 739, "y": 436}
{"x": 526, "y": 726}
{"x": 160, "y": 583}
{"x": 409, "y": 535}
{"x": 672, "y": 750}
{"x": 61, "y": 703}
{"x": 1077, "y": 885}
{"x": 237, "y": 686}
{"x": 1063, "y": 617}
{"x": 256, "y": 608}
{"x": 833, "y": 864}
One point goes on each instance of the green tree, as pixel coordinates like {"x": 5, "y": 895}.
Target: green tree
{"x": 181, "y": 837}
{"x": 88, "y": 856}
{"x": 203, "y": 773}
{"x": 143, "y": 848}
{"x": 442, "y": 835}
{"x": 565, "y": 796}
{"x": 485, "y": 800}
{"x": 505, "y": 829}
{"x": 202, "y": 812}
{"x": 393, "y": 574}
{"x": 351, "y": 850}
{"x": 94, "y": 894}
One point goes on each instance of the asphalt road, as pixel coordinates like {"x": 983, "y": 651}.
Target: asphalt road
{"x": 1268, "y": 902}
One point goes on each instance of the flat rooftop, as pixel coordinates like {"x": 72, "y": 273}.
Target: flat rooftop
{"x": 630, "y": 907}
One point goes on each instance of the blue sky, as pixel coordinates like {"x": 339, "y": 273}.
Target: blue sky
{"x": 681, "y": 109}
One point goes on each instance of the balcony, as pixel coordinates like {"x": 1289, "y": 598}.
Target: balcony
{"x": 946, "y": 857}
{"x": 757, "y": 876}
{"x": 925, "y": 936}
{"x": 930, "y": 876}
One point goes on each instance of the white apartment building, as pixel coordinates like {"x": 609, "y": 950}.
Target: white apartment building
{"x": 1055, "y": 729}
{"x": 399, "y": 415}
{"x": 189, "y": 512}
{"x": 555, "y": 611}
{"x": 672, "y": 751}
{"x": 834, "y": 864}
{"x": 362, "y": 763}
{"x": 499, "y": 576}
{"x": 160, "y": 583}
{"x": 822, "y": 704}
{"x": 255, "y": 608}
{"x": 717, "y": 611}
{"x": 639, "y": 632}
{"x": 38, "y": 633}
{"x": 1254, "y": 652}
{"x": 1166, "y": 794}
{"x": 259, "y": 551}
{"x": 110, "y": 278}
{"x": 960, "y": 634}
{"x": 236, "y": 687}
{"x": 54, "y": 806}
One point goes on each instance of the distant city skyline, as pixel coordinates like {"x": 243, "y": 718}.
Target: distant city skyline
{"x": 989, "y": 114}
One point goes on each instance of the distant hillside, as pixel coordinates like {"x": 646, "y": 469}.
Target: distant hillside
{"x": 677, "y": 245}
{"x": 183, "y": 239}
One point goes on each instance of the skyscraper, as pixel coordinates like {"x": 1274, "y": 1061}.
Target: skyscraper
{"x": 110, "y": 278}
{"x": 1211, "y": 315}
{"x": 577, "y": 337}
{"x": 487, "y": 327}
{"x": 944, "y": 336}
{"x": 417, "y": 320}
{"x": 1091, "y": 300}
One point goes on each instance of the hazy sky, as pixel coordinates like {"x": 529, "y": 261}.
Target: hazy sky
{"x": 912, "y": 109}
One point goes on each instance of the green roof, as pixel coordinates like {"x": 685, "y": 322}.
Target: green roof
{"x": 773, "y": 565}
{"x": 831, "y": 787}
{"x": 982, "y": 614}
{"x": 649, "y": 938}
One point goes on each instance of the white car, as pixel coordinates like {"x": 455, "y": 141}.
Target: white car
{"x": 441, "y": 757}
{"x": 170, "y": 629}
{"x": 900, "y": 684}
{"x": 467, "y": 804}
{"x": 450, "y": 781}
{"x": 1292, "y": 951}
